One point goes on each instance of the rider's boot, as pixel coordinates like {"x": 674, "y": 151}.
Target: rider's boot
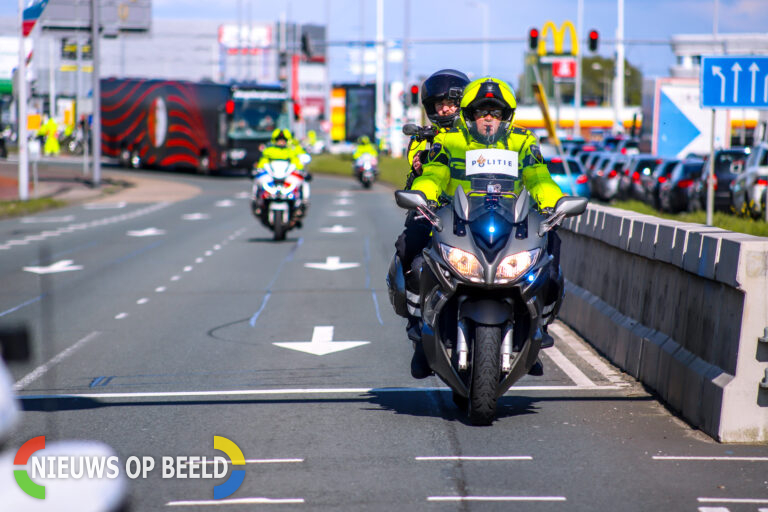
{"x": 419, "y": 365}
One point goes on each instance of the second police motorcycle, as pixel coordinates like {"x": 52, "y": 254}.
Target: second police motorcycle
{"x": 483, "y": 282}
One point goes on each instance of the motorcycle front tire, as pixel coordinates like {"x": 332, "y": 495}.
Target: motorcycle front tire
{"x": 486, "y": 371}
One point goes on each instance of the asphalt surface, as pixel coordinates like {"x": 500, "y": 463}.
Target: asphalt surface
{"x": 154, "y": 344}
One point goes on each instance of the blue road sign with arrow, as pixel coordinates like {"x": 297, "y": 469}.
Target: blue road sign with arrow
{"x": 734, "y": 82}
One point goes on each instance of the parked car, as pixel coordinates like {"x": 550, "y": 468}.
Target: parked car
{"x": 749, "y": 187}
{"x": 652, "y": 184}
{"x": 729, "y": 163}
{"x": 674, "y": 193}
{"x": 637, "y": 167}
{"x": 606, "y": 177}
{"x": 578, "y": 185}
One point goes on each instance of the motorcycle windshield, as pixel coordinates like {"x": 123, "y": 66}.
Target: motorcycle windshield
{"x": 279, "y": 169}
{"x": 491, "y": 221}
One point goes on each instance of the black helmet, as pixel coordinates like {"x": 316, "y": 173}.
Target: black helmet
{"x": 446, "y": 83}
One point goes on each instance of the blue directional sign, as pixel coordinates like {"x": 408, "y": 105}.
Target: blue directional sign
{"x": 734, "y": 82}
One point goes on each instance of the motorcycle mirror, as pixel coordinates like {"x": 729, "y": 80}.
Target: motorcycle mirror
{"x": 461, "y": 204}
{"x": 410, "y": 129}
{"x": 522, "y": 205}
{"x": 410, "y": 199}
{"x": 571, "y": 206}
{"x": 308, "y": 178}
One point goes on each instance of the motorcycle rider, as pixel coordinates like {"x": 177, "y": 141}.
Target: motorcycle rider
{"x": 486, "y": 112}
{"x": 280, "y": 149}
{"x": 440, "y": 96}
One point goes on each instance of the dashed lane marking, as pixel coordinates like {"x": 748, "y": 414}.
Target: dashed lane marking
{"x": 747, "y": 501}
{"x": 235, "y": 501}
{"x": 707, "y": 458}
{"x": 496, "y": 498}
{"x": 499, "y": 458}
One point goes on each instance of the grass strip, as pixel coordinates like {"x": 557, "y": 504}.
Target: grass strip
{"x": 18, "y": 208}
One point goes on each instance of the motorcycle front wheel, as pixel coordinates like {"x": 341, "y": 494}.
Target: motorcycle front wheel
{"x": 279, "y": 227}
{"x": 486, "y": 371}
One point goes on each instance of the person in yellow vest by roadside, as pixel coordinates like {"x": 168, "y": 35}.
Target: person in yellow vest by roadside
{"x": 50, "y": 130}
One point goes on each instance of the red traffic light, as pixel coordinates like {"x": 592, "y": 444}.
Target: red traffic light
{"x": 533, "y": 39}
{"x": 593, "y": 40}
{"x": 414, "y": 95}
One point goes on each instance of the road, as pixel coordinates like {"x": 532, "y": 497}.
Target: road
{"x": 158, "y": 325}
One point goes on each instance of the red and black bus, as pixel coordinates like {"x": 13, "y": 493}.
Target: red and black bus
{"x": 173, "y": 124}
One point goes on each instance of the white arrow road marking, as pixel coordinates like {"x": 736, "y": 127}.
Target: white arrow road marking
{"x": 753, "y": 69}
{"x": 736, "y": 70}
{"x": 47, "y": 220}
{"x": 332, "y": 263}
{"x": 243, "y": 195}
{"x": 343, "y": 202}
{"x": 59, "y": 266}
{"x": 225, "y": 203}
{"x": 104, "y": 206}
{"x": 345, "y": 193}
{"x": 717, "y": 71}
{"x": 341, "y": 213}
{"x": 195, "y": 216}
{"x": 338, "y": 228}
{"x": 322, "y": 342}
{"x": 146, "y": 232}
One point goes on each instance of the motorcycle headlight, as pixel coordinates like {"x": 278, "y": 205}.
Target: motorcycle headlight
{"x": 515, "y": 265}
{"x": 463, "y": 262}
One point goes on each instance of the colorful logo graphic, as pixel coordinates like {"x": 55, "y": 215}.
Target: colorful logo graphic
{"x": 236, "y": 477}
{"x": 22, "y": 477}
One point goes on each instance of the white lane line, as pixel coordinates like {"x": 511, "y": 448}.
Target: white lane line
{"x": 199, "y": 260}
{"x": 142, "y": 300}
{"x": 714, "y": 509}
{"x": 236, "y": 501}
{"x": 208, "y": 253}
{"x": 749, "y": 501}
{"x": 475, "y": 458}
{"x": 175, "y": 278}
{"x": 582, "y": 351}
{"x": 42, "y": 369}
{"x": 188, "y": 268}
{"x": 570, "y": 369}
{"x": 496, "y": 498}
{"x": 120, "y": 316}
{"x": 160, "y": 289}
{"x": 305, "y": 391}
{"x": 262, "y": 461}
{"x": 693, "y": 458}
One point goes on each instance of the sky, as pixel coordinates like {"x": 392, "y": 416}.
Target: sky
{"x": 654, "y": 20}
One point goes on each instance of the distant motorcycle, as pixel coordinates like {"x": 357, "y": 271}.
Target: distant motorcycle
{"x": 484, "y": 288}
{"x": 366, "y": 168}
{"x": 280, "y": 197}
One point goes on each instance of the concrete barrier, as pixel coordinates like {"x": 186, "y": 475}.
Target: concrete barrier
{"x": 681, "y": 307}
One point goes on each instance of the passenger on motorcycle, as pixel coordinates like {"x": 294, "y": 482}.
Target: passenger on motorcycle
{"x": 440, "y": 96}
{"x": 487, "y": 109}
{"x": 280, "y": 149}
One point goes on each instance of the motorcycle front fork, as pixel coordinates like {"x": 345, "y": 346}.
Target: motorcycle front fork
{"x": 462, "y": 347}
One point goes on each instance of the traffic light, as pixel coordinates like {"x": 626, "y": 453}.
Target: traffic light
{"x": 414, "y": 96}
{"x": 593, "y": 39}
{"x": 533, "y": 39}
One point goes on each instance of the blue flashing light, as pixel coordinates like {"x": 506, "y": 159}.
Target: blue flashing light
{"x": 531, "y": 278}
{"x": 492, "y": 229}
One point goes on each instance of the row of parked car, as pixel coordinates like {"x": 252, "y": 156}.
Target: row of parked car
{"x": 618, "y": 171}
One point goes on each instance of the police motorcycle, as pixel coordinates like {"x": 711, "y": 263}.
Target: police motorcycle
{"x": 280, "y": 196}
{"x": 366, "y": 168}
{"x": 484, "y": 282}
